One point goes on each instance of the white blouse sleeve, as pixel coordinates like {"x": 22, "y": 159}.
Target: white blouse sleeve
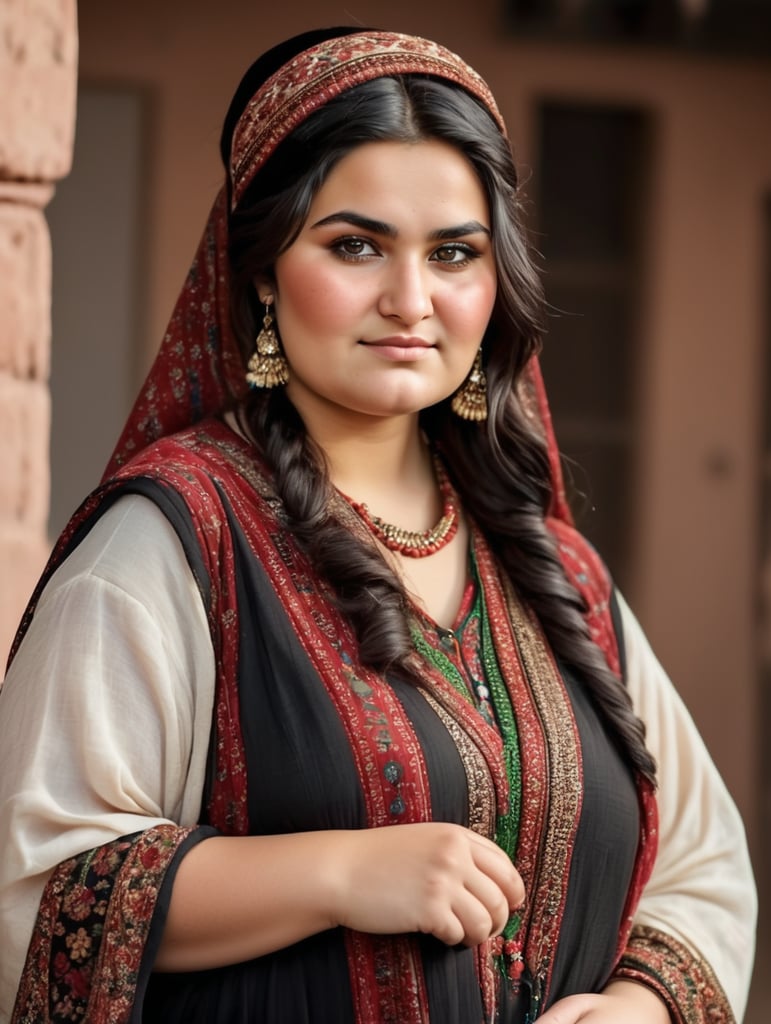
{"x": 105, "y": 713}
{"x": 701, "y": 891}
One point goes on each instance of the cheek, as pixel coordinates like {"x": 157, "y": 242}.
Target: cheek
{"x": 472, "y": 308}
{"x": 317, "y": 296}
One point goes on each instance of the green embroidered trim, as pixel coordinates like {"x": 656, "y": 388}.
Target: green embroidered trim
{"x": 507, "y": 830}
{"x": 507, "y": 824}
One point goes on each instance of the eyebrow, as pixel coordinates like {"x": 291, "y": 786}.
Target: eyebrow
{"x": 379, "y": 227}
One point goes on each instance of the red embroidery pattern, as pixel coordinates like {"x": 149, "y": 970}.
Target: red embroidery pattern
{"x": 587, "y": 573}
{"x": 388, "y": 985}
{"x": 685, "y": 982}
{"x": 532, "y": 396}
{"x": 316, "y": 76}
{"x": 173, "y": 465}
{"x": 84, "y": 959}
{"x": 199, "y": 369}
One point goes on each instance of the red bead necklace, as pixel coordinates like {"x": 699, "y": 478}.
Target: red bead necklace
{"x": 416, "y": 543}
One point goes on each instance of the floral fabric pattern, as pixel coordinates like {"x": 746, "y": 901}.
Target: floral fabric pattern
{"x": 86, "y": 954}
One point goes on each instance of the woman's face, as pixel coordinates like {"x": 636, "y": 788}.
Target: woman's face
{"x": 382, "y": 300}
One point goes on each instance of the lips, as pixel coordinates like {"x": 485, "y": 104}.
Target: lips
{"x": 399, "y": 341}
{"x": 400, "y": 348}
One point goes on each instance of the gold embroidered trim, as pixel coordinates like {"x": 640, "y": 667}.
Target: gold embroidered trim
{"x": 481, "y": 791}
{"x": 315, "y": 76}
{"x": 564, "y": 793}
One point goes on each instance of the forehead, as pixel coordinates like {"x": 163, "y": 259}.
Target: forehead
{"x": 429, "y": 179}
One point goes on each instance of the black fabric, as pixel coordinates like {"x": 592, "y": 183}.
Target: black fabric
{"x": 449, "y": 786}
{"x": 307, "y": 983}
{"x": 302, "y": 776}
{"x": 301, "y": 772}
{"x": 603, "y": 858}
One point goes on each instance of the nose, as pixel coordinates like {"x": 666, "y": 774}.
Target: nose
{"x": 407, "y": 291}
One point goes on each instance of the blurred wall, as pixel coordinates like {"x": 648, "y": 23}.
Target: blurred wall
{"x": 695, "y": 572}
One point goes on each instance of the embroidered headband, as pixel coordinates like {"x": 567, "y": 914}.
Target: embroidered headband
{"x": 319, "y": 74}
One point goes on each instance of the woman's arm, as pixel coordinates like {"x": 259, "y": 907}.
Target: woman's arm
{"x": 691, "y": 950}
{"x": 694, "y": 930}
{"x": 238, "y": 898}
{"x": 105, "y": 713}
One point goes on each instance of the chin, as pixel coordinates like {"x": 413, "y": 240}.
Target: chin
{"x": 386, "y": 411}
{"x": 402, "y": 403}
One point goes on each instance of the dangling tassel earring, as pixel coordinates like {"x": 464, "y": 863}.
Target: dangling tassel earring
{"x": 267, "y": 367}
{"x": 470, "y": 400}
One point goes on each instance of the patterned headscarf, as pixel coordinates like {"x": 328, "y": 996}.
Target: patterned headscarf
{"x": 199, "y": 368}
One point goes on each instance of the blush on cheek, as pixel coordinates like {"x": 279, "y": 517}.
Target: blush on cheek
{"x": 475, "y": 307}
{"x": 316, "y": 298}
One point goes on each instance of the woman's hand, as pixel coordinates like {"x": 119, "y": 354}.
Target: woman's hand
{"x": 622, "y": 1002}
{"x": 431, "y": 877}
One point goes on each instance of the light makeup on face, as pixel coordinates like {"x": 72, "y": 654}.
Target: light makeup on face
{"x": 383, "y": 297}
{"x": 380, "y": 229}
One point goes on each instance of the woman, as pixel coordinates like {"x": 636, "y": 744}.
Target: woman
{"x": 318, "y": 712}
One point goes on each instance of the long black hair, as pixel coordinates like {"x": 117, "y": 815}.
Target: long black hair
{"x": 500, "y": 468}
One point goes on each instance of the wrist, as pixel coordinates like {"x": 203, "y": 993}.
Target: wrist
{"x": 638, "y": 994}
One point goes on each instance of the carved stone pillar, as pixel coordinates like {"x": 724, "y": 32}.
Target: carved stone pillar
{"x": 38, "y": 86}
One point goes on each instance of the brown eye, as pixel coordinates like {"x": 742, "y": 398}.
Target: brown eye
{"x": 454, "y": 255}
{"x": 354, "y": 246}
{"x": 351, "y": 247}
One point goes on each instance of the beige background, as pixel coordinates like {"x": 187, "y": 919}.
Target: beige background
{"x": 697, "y": 575}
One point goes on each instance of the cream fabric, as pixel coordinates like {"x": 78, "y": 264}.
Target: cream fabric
{"x": 702, "y": 889}
{"x": 104, "y": 727}
{"x": 105, "y": 713}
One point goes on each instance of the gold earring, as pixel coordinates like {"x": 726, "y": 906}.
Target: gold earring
{"x": 470, "y": 400}
{"x": 267, "y": 367}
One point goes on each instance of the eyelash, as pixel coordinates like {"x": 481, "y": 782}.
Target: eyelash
{"x": 353, "y": 257}
{"x": 338, "y": 247}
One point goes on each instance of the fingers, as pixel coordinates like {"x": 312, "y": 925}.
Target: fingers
{"x": 494, "y": 909}
{"x": 454, "y": 884}
{"x": 489, "y": 888}
{"x": 463, "y": 919}
{"x": 628, "y": 1002}
{"x": 478, "y": 919}
{"x": 495, "y": 864}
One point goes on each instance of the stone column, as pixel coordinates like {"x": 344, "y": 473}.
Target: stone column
{"x": 38, "y": 88}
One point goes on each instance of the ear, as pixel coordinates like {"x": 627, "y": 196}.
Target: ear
{"x": 264, "y": 287}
